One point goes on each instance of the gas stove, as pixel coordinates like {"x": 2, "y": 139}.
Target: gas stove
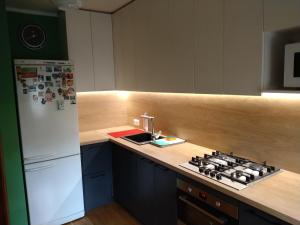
{"x": 229, "y": 169}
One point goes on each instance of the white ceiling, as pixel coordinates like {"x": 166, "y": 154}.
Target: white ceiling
{"x": 48, "y": 5}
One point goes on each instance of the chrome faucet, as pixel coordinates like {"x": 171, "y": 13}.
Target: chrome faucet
{"x": 148, "y": 125}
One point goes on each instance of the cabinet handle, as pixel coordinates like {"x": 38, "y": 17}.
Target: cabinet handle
{"x": 202, "y": 211}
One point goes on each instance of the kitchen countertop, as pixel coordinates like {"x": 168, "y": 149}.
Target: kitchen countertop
{"x": 278, "y": 195}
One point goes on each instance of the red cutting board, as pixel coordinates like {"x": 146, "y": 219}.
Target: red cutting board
{"x": 125, "y": 133}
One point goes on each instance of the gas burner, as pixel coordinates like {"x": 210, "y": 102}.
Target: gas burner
{"x": 229, "y": 169}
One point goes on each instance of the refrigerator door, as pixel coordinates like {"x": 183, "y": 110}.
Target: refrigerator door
{"x": 54, "y": 190}
{"x": 47, "y": 131}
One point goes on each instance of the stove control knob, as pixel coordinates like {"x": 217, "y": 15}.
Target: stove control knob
{"x": 219, "y": 177}
{"x": 212, "y": 174}
{"x": 218, "y": 204}
{"x": 205, "y": 156}
{"x": 201, "y": 169}
{"x": 202, "y": 196}
{"x": 261, "y": 173}
{"x": 207, "y": 171}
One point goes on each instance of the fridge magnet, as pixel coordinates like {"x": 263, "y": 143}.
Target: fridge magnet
{"x": 49, "y": 84}
{"x": 35, "y": 98}
{"x": 57, "y": 69}
{"x": 67, "y": 69}
{"x": 53, "y": 95}
{"x": 34, "y": 81}
{"x": 49, "y": 69}
{"x": 64, "y": 82}
{"x": 25, "y": 91}
{"x": 58, "y": 83}
{"x": 41, "y": 94}
{"x": 48, "y": 97}
{"x": 23, "y": 82}
{"x": 71, "y": 91}
{"x": 59, "y": 91}
{"x": 60, "y": 104}
{"x": 70, "y": 82}
{"x": 69, "y": 75}
{"x": 43, "y": 101}
{"x": 29, "y": 72}
{"x": 41, "y": 78}
{"x": 31, "y": 88}
{"x": 66, "y": 97}
{"x": 73, "y": 102}
{"x": 41, "y": 86}
{"x": 48, "y": 78}
{"x": 48, "y": 91}
{"x": 55, "y": 75}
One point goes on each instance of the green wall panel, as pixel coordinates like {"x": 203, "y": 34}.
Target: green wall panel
{"x": 55, "y": 47}
{"x": 9, "y": 131}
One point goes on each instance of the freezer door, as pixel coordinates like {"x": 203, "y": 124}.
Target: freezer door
{"x": 47, "y": 131}
{"x": 54, "y": 190}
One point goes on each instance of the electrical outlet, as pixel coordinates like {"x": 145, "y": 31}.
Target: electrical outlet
{"x": 136, "y": 122}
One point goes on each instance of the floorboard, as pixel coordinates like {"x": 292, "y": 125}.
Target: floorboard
{"x": 112, "y": 214}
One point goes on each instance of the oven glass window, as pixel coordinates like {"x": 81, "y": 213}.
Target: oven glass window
{"x": 297, "y": 65}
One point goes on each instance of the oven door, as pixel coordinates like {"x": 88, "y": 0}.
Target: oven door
{"x": 191, "y": 213}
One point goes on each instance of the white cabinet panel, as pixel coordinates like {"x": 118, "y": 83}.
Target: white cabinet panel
{"x": 209, "y": 46}
{"x": 54, "y": 190}
{"x": 281, "y": 14}
{"x": 80, "y": 48}
{"x": 102, "y": 51}
{"x": 182, "y": 40}
{"x": 123, "y": 29}
{"x": 243, "y": 37}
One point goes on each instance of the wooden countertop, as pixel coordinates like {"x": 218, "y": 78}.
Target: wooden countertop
{"x": 278, "y": 195}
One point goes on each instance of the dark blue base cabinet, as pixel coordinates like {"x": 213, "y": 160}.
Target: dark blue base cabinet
{"x": 97, "y": 175}
{"x": 145, "y": 189}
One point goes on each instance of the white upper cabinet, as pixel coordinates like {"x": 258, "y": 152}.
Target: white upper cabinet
{"x": 91, "y": 49}
{"x": 243, "y": 41}
{"x": 123, "y": 30}
{"x": 80, "y": 48}
{"x": 281, "y": 14}
{"x": 209, "y": 46}
{"x": 103, "y": 51}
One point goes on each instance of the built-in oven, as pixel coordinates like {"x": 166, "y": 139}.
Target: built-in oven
{"x": 198, "y": 207}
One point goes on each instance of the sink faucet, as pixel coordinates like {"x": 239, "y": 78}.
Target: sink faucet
{"x": 148, "y": 125}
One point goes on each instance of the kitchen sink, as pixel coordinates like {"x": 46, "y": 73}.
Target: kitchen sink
{"x": 140, "y": 139}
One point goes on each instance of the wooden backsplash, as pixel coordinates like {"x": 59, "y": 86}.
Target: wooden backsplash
{"x": 255, "y": 127}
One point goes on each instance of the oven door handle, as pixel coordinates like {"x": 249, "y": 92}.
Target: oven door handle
{"x": 218, "y": 220}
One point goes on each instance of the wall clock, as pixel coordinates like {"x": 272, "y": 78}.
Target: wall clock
{"x": 33, "y": 37}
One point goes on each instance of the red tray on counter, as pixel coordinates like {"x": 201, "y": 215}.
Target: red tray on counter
{"x": 123, "y": 133}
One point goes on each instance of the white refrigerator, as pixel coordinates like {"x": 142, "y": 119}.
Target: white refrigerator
{"x": 50, "y": 140}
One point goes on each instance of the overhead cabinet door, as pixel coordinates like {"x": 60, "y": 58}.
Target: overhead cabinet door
{"x": 102, "y": 51}
{"x": 243, "y": 26}
{"x": 281, "y": 14}
{"x": 80, "y": 48}
{"x": 209, "y": 46}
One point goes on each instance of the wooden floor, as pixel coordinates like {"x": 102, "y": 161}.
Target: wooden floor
{"x": 112, "y": 214}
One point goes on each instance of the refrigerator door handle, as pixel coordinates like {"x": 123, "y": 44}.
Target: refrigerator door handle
{"x": 39, "y": 157}
{"x": 40, "y": 168}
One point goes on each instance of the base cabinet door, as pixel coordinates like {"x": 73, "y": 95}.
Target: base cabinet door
{"x": 124, "y": 178}
{"x": 96, "y": 162}
{"x": 165, "y": 196}
{"x": 97, "y": 190}
{"x": 145, "y": 192}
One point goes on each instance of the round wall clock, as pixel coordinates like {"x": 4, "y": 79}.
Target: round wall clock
{"x": 33, "y": 37}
